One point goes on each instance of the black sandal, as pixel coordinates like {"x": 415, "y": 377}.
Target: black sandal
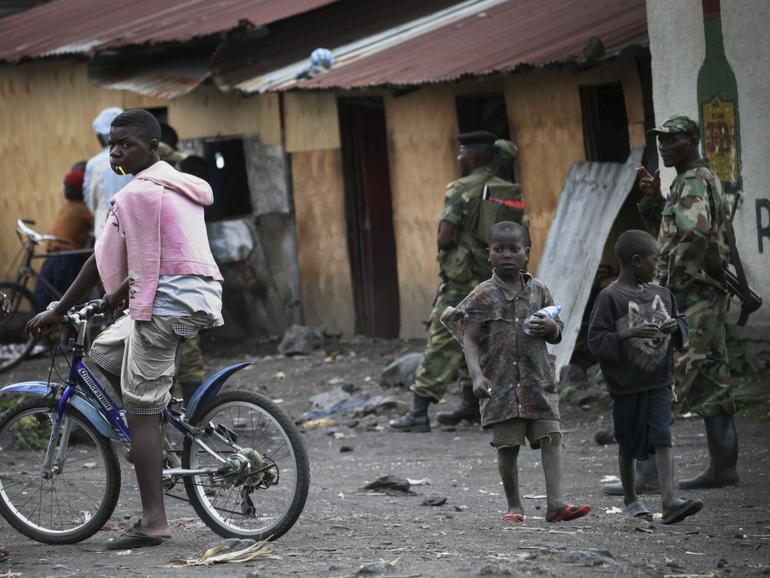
{"x": 136, "y": 537}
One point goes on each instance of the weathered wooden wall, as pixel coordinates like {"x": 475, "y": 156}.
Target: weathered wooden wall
{"x": 422, "y": 149}
{"x": 312, "y": 138}
{"x": 46, "y": 109}
{"x": 546, "y": 123}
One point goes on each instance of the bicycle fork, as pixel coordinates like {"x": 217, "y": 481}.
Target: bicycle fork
{"x": 60, "y": 435}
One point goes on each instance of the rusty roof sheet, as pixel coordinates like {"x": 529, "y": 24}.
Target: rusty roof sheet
{"x": 500, "y": 38}
{"x": 66, "y": 27}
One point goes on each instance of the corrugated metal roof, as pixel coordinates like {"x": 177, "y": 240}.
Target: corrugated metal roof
{"x": 163, "y": 77}
{"x": 500, "y": 38}
{"x": 289, "y": 43}
{"x": 592, "y": 196}
{"x": 85, "y": 26}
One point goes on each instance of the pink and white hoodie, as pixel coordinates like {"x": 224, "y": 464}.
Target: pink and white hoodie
{"x": 155, "y": 228}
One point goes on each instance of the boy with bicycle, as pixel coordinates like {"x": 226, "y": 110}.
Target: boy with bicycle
{"x": 153, "y": 252}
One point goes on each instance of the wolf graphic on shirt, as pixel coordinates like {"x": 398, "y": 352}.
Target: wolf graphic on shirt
{"x": 645, "y": 353}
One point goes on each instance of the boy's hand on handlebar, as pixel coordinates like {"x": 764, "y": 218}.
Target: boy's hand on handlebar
{"x": 44, "y": 323}
{"x": 114, "y": 301}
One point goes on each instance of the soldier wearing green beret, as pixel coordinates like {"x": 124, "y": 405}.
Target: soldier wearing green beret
{"x": 694, "y": 253}
{"x": 463, "y": 261}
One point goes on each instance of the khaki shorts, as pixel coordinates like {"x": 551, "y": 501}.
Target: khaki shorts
{"x": 512, "y": 432}
{"x": 144, "y": 354}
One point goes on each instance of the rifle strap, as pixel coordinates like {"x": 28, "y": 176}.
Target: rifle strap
{"x": 734, "y": 255}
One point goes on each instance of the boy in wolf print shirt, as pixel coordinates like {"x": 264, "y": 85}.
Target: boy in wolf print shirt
{"x": 633, "y": 330}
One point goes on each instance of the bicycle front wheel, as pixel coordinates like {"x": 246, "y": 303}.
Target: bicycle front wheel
{"x": 266, "y": 503}
{"x": 74, "y": 498}
{"x": 15, "y": 344}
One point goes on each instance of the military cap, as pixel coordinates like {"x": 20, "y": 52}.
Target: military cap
{"x": 480, "y": 138}
{"x": 506, "y": 149}
{"x": 678, "y": 123}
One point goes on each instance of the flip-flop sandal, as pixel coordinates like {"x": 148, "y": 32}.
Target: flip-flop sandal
{"x": 637, "y": 509}
{"x": 514, "y": 517}
{"x": 135, "y": 538}
{"x": 682, "y": 510}
{"x": 570, "y": 512}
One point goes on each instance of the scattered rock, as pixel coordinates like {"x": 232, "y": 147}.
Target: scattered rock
{"x": 604, "y": 437}
{"x": 401, "y": 371}
{"x": 589, "y": 557}
{"x": 376, "y": 568}
{"x": 377, "y": 405}
{"x": 256, "y": 574}
{"x": 300, "y": 340}
{"x": 391, "y": 485}
{"x": 434, "y": 501}
{"x": 345, "y": 449}
{"x": 322, "y": 422}
{"x": 494, "y": 570}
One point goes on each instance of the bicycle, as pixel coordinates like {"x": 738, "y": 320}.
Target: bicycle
{"x": 15, "y": 345}
{"x": 244, "y": 466}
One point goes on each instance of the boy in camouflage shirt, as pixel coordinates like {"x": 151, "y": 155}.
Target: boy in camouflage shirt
{"x": 512, "y": 371}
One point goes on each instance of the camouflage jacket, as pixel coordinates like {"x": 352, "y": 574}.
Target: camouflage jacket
{"x": 693, "y": 246}
{"x": 519, "y": 366}
{"x": 467, "y": 262}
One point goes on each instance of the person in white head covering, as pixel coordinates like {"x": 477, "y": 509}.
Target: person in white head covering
{"x": 101, "y": 182}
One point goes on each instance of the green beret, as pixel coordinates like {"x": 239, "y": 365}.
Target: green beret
{"x": 506, "y": 149}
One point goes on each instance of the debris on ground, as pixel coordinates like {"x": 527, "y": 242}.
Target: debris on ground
{"x": 301, "y": 340}
{"x": 228, "y": 551}
{"x": 401, "y": 371}
{"x": 377, "y": 568}
{"x": 391, "y": 485}
{"x": 321, "y": 422}
{"x": 434, "y": 501}
{"x": 604, "y": 437}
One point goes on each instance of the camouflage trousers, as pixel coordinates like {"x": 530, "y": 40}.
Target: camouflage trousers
{"x": 191, "y": 363}
{"x": 443, "y": 361}
{"x": 702, "y": 373}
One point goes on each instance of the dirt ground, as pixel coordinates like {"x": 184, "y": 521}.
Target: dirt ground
{"x": 344, "y": 527}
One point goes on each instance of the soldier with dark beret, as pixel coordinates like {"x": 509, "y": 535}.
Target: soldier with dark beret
{"x": 463, "y": 262}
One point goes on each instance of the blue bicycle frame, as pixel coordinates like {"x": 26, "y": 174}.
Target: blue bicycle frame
{"x": 84, "y": 392}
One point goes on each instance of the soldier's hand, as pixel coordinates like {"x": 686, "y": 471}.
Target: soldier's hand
{"x": 482, "y": 388}
{"x": 669, "y": 326}
{"x": 649, "y": 183}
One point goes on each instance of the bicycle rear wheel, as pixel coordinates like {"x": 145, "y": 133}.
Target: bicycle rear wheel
{"x": 263, "y": 505}
{"x": 15, "y": 344}
{"x": 64, "y": 507}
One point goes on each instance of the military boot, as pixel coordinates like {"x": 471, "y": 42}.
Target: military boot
{"x": 468, "y": 410}
{"x": 416, "y": 419}
{"x": 723, "y": 455}
{"x": 645, "y": 480}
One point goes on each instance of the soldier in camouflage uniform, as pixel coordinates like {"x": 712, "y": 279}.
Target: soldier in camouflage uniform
{"x": 694, "y": 252}
{"x": 463, "y": 264}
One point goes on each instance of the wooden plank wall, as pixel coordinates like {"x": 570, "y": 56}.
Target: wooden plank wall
{"x": 46, "y": 109}
{"x": 313, "y": 140}
{"x": 422, "y": 131}
{"x": 545, "y": 118}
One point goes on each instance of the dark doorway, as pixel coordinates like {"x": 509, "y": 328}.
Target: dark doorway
{"x": 228, "y": 179}
{"x": 605, "y": 123}
{"x": 483, "y": 112}
{"x": 371, "y": 241}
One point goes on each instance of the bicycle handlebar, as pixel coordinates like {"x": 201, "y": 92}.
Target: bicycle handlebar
{"x": 80, "y": 313}
{"x": 34, "y": 236}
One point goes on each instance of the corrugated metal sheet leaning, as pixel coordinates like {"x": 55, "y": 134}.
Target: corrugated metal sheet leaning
{"x": 588, "y": 205}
